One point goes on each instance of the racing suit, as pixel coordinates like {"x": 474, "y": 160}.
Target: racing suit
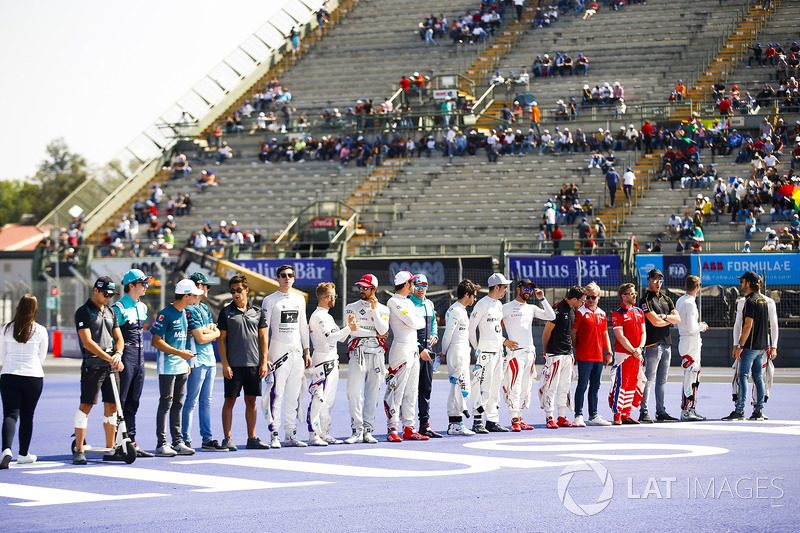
{"x": 455, "y": 346}
{"x": 366, "y": 369}
{"x": 519, "y": 371}
{"x": 324, "y": 369}
{"x": 285, "y": 314}
{"x": 556, "y": 378}
{"x": 689, "y": 347}
{"x": 402, "y": 380}
{"x": 486, "y": 317}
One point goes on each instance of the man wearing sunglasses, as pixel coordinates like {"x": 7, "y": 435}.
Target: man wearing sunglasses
{"x": 590, "y": 336}
{"x": 367, "y": 350}
{"x": 287, "y": 326}
{"x": 427, "y": 338}
{"x": 131, "y": 317}
{"x": 659, "y": 310}
{"x": 519, "y": 371}
{"x": 629, "y": 330}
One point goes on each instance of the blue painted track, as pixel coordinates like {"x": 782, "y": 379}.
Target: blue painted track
{"x": 708, "y": 476}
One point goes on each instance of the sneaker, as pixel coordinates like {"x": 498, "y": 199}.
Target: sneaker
{"x": 331, "y": 440}
{"x": 757, "y": 415}
{"x": 228, "y": 444}
{"x": 357, "y": 436}
{"x": 515, "y": 425}
{"x": 410, "y": 434}
{"x": 213, "y": 446}
{"x": 579, "y": 423}
{"x": 459, "y": 429}
{"x": 630, "y": 421}
{"x": 563, "y": 422}
{"x": 6, "y": 459}
{"x": 256, "y": 444}
{"x": 392, "y": 436}
{"x": 275, "y": 442}
{"x": 733, "y": 416}
{"x": 617, "y": 419}
{"x": 478, "y": 427}
{"x": 369, "y": 439}
{"x": 550, "y": 423}
{"x": 165, "y": 450}
{"x": 140, "y": 452}
{"x": 78, "y": 458}
{"x": 598, "y": 420}
{"x": 494, "y": 427}
{"x": 665, "y": 417}
{"x": 291, "y": 441}
{"x": 182, "y": 449}
{"x": 26, "y": 459}
{"x": 689, "y": 415}
{"x": 524, "y": 426}
{"x": 428, "y": 432}
{"x": 316, "y": 440}
{"x": 644, "y": 418}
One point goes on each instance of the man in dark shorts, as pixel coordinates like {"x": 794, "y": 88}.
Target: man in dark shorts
{"x": 101, "y": 345}
{"x": 243, "y": 352}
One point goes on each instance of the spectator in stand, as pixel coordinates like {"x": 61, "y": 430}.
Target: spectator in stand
{"x": 224, "y": 153}
{"x": 612, "y": 184}
{"x": 680, "y": 90}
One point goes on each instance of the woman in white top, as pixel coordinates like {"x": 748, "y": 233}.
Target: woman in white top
{"x": 23, "y": 347}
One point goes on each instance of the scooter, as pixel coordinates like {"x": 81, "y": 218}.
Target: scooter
{"x": 123, "y": 449}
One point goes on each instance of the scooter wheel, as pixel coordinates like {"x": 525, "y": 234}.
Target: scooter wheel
{"x": 130, "y": 452}
{"x": 74, "y": 445}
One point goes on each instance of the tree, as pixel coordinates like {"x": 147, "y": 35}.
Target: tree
{"x": 58, "y": 175}
{"x": 12, "y": 203}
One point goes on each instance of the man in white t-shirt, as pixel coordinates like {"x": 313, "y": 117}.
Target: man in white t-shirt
{"x": 628, "y": 179}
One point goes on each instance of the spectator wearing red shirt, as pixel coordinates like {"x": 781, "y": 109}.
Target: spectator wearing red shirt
{"x": 590, "y": 338}
{"x": 628, "y": 324}
{"x": 556, "y": 235}
{"x": 647, "y": 132}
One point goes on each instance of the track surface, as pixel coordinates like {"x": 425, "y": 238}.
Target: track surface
{"x": 708, "y": 476}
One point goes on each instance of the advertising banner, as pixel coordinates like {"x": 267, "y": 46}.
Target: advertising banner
{"x": 721, "y": 269}
{"x": 566, "y": 270}
{"x": 308, "y": 272}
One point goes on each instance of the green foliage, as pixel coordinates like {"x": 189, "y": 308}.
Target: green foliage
{"x": 58, "y": 175}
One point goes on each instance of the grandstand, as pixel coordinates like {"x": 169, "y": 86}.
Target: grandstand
{"x": 465, "y": 205}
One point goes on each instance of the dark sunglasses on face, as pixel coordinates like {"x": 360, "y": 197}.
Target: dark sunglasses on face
{"x": 591, "y": 297}
{"x": 285, "y": 275}
{"x": 237, "y": 291}
{"x": 528, "y": 289}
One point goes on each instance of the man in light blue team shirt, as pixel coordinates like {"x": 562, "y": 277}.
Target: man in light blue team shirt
{"x": 202, "y": 332}
{"x": 169, "y": 338}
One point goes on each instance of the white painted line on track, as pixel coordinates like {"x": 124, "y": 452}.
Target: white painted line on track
{"x": 208, "y": 483}
{"x": 47, "y": 496}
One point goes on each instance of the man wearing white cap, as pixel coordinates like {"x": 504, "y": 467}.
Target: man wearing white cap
{"x": 487, "y": 375}
{"x": 402, "y": 382}
{"x": 170, "y": 332}
{"x": 367, "y": 349}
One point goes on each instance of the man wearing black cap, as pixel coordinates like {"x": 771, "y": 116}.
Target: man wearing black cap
{"x": 101, "y": 342}
{"x": 660, "y": 315}
{"x": 519, "y": 371}
{"x": 752, "y": 345}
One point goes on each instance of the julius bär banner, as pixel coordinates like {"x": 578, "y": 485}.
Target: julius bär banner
{"x": 565, "y": 270}
{"x": 308, "y": 272}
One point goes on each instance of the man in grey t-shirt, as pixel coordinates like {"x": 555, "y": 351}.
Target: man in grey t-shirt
{"x": 243, "y": 351}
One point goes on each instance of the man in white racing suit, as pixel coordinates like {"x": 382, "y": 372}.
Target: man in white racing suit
{"x": 487, "y": 374}
{"x": 689, "y": 347}
{"x": 289, "y": 354}
{"x": 455, "y": 347}
{"x": 367, "y": 351}
{"x": 324, "y": 365}
{"x": 402, "y": 381}
{"x": 519, "y": 371}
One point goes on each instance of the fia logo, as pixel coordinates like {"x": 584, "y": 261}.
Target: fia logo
{"x": 677, "y": 270}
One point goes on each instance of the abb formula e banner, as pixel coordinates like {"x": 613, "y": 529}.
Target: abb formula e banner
{"x": 722, "y": 269}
